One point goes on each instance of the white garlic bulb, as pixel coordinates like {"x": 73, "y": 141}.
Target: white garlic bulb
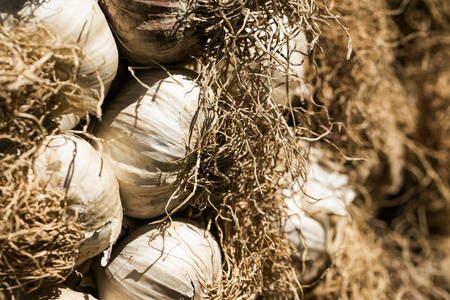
{"x": 78, "y": 22}
{"x": 69, "y": 164}
{"x": 287, "y": 65}
{"x": 153, "y": 32}
{"x": 145, "y": 133}
{"x": 56, "y": 292}
{"x": 312, "y": 235}
{"x": 293, "y": 54}
{"x": 325, "y": 191}
{"x": 316, "y": 210}
{"x": 309, "y": 237}
{"x": 173, "y": 261}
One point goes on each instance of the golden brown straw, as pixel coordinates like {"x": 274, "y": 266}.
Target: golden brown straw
{"x": 367, "y": 105}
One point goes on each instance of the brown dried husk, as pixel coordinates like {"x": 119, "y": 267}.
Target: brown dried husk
{"x": 38, "y": 81}
{"x": 417, "y": 261}
{"x": 377, "y": 262}
{"x": 39, "y": 238}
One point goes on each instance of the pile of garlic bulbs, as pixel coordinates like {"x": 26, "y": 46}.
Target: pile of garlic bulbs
{"x": 131, "y": 160}
{"x": 58, "y": 61}
{"x": 143, "y": 137}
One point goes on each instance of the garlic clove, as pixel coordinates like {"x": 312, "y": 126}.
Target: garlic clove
{"x": 67, "y": 121}
{"x": 318, "y": 200}
{"x": 176, "y": 262}
{"x": 316, "y": 214}
{"x": 71, "y": 165}
{"x": 287, "y": 74}
{"x": 145, "y": 134}
{"x": 309, "y": 238}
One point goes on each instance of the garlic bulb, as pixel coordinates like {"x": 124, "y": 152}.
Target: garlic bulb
{"x": 56, "y": 292}
{"x": 173, "y": 261}
{"x": 326, "y": 190}
{"x": 313, "y": 233}
{"x": 145, "y": 133}
{"x": 287, "y": 65}
{"x": 78, "y": 22}
{"x": 316, "y": 211}
{"x": 309, "y": 237}
{"x": 71, "y": 165}
{"x": 153, "y": 32}
{"x": 293, "y": 54}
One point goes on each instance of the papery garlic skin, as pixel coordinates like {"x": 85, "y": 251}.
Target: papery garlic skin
{"x": 153, "y": 32}
{"x": 313, "y": 234}
{"x": 57, "y": 292}
{"x": 316, "y": 211}
{"x": 177, "y": 262}
{"x": 68, "y": 121}
{"x": 293, "y": 54}
{"x": 288, "y": 64}
{"x": 70, "y": 164}
{"x": 78, "y": 22}
{"x": 309, "y": 237}
{"x": 325, "y": 191}
{"x": 145, "y": 132}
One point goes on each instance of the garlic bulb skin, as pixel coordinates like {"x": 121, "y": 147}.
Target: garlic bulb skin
{"x": 326, "y": 190}
{"x": 57, "y": 292}
{"x": 288, "y": 64}
{"x": 316, "y": 213}
{"x": 145, "y": 133}
{"x": 152, "y": 32}
{"x": 176, "y": 262}
{"x": 68, "y": 121}
{"x": 70, "y": 164}
{"x": 294, "y": 56}
{"x": 309, "y": 237}
{"x": 82, "y": 23}
{"x": 305, "y": 231}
